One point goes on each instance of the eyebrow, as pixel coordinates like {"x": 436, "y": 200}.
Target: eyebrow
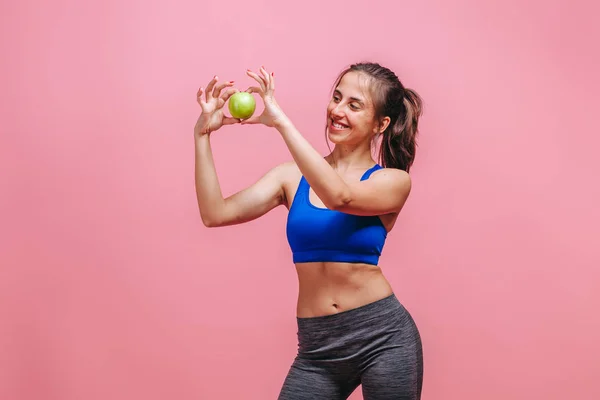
{"x": 351, "y": 98}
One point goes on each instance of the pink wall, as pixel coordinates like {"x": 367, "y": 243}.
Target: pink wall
{"x": 111, "y": 288}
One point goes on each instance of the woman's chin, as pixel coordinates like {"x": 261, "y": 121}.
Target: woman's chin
{"x": 346, "y": 138}
{"x": 335, "y": 137}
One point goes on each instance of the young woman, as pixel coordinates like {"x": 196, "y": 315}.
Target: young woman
{"x": 351, "y": 327}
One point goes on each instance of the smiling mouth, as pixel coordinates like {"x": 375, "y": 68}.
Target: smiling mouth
{"x": 338, "y": 125}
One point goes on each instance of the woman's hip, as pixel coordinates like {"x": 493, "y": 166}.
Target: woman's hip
{"x": 357, "y": 333}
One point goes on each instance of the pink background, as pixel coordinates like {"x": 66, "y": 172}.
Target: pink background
{"x": 111, "y": 287}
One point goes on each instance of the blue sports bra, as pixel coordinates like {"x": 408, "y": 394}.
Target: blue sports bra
{"x": 320, "y": 234}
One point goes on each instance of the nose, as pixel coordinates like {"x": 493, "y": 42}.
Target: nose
{"x": 337, "y": 110}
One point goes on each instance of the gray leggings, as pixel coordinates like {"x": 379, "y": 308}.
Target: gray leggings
{"x": 377, "y": 345}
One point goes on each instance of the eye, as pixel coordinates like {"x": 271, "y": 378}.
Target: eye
{"x": 354, "y": 106}
{"x": 336, "y": 99}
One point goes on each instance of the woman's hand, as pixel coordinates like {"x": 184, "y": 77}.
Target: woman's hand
{"x": 212, "y": 116}
{"x": 272, "y": 115}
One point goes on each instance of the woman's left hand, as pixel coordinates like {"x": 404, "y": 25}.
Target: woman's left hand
{"x": 272, "y": 115}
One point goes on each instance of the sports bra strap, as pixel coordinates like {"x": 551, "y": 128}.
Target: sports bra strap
{"x": 368, "y": 172}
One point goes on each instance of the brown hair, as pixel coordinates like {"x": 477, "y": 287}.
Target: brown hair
{"x": 402, "y": 105}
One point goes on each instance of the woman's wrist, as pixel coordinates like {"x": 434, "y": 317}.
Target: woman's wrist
{"x": 200, "y": 123}
{"x": 201, "y": 133}
{"x": 282, "y": 124}
{"x": 202, "y": 126}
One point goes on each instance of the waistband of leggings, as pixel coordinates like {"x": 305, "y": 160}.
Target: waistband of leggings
{"x": 389, "y": 304}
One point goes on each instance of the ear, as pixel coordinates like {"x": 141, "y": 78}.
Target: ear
{"x": 383, "y": 124}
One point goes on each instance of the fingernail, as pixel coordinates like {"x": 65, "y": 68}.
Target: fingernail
{"x": 272, "y": 73}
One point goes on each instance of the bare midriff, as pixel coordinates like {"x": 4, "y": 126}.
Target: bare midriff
{"x": 327, "y": 288}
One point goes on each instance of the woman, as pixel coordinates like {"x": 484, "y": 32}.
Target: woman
{"x": 351, "y": 328}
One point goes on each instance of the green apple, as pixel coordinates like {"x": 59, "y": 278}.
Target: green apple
{"x": 242, "y": 105}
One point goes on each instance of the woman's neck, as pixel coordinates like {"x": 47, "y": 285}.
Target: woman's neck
{"x": 343, "y": 157}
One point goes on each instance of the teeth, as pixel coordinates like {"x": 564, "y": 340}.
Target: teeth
{"x": 339, "y": 126}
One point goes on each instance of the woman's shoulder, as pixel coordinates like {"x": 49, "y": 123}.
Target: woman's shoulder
{"x": 287, "y": 171}
{"x": 392, "y": 175}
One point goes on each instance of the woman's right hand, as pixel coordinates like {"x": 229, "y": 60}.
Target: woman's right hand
{"x": 212, "y": 116}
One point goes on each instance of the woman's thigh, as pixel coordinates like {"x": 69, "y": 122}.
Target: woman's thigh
{"x": 396, "y": 373}
{"x": 306, "y": 382}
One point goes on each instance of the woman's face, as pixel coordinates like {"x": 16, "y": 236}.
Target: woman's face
{"x": 350, "y": 113}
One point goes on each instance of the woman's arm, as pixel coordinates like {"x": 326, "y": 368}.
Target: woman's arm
{"x": 384, "y": 192}
{"x": 246, "y": 205}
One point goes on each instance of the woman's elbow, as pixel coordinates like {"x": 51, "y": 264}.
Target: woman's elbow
{"x": 210, "y": 221}
{"x": 339, "y": 201}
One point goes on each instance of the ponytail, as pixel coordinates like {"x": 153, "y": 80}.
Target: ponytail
{"x": 399, "y": 142}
